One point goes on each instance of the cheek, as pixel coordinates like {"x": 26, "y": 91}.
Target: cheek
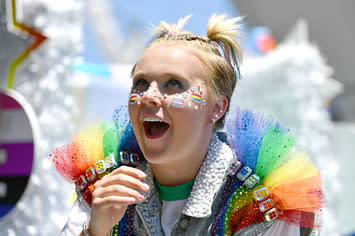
{"x": 193, "y": 99}
{"x": 134, "y": 99}
{"x": 133, "y": 107}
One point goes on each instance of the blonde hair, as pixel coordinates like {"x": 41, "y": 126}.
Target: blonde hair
{"x": 220, "y": 51}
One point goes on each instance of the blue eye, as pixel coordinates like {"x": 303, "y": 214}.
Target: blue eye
{"x": 174, "y": 84}
{"x": 141, "y": 85}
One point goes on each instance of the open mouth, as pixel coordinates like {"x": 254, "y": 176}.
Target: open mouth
{"x": 154, "y": 128}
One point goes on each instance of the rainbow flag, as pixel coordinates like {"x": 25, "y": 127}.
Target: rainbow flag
{"x": 132, "y": 99}
{"x": 196, "y": 97}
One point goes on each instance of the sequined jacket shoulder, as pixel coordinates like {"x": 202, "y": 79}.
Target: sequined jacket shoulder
{"x": 202, "y": 206}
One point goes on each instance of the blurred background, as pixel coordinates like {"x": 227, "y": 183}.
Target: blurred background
{"x": 65, "y": 64}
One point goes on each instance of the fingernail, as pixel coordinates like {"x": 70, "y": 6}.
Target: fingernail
{"x": 142, "y": 174}
{"x": 141, "y": 198}
{"x": 131, "y": 200}
{"x": 145, "y": 187}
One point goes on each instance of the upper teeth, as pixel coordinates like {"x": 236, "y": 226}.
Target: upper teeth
{"x": 151, "y": 118}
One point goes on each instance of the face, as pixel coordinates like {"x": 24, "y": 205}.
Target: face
{"x": 170, "y": 107}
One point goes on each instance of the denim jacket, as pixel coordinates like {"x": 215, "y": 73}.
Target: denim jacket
{"x": 202, "y": 204}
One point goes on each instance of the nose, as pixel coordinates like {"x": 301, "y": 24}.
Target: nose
{"x": 152, "y": 96}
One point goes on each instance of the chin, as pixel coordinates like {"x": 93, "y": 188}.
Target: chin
{"x": 156, "y": 156}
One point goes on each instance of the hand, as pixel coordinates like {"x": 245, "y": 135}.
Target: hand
{"x": 111, "y": 196}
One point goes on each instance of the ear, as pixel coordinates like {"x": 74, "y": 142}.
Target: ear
{"x": 219, "y": 108}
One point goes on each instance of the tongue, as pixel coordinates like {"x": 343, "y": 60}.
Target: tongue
{"x": 157, "y": 128}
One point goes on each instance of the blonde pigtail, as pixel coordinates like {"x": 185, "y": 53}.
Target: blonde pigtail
{"x": 225, "y": 33}
{"x": 171, "y": 29}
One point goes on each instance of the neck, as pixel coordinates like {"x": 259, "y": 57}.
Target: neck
{"x": 173, "y": 174}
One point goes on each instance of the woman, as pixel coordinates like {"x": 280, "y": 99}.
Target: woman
{"x": 182, "y": 86}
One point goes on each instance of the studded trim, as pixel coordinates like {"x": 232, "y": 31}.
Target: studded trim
{"x": 209, "y": 179}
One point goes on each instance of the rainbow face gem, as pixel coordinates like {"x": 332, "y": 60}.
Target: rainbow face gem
{"x": 90, "y": 174}
{"x": 271, "y": 214}
{"x": 196, "y": 97}
{"x": 251, "y": 181}
{"x": 132, "y": 99}
{"x": 134, "y": 158}
{"x": 266, "y": 205}
{"x": 110, "y": 162}
{"x": 178, "y": 103}
{"x": 124, "y": 157}
{"x": 261, "y": 193}
{"x": 100, "y": 167}
{"x": 244, "y": 173}
{"x": 81, "y": 182}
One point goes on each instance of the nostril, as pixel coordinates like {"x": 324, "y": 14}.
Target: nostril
{"x": 151, "y": 99}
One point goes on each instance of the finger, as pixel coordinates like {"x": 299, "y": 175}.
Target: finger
{"x": 122, "y": 179}
{"x": 118, "y": 190}
{"x": 134, "y": 172}
{"x": 112, "y": 201}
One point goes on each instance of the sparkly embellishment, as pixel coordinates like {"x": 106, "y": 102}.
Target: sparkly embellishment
{"x": 234, "y": 168}
{"x": 184, "y": 95}
{"x": 192, "y": 89}
{"x": 124, "y": 157}
{"x": 209, "y": 179}
{"x": 139, "y": 102}
{"x": 220, "y": 111}
{"x": 204, "y": 102}
{"x": 244, "y": 173}
{"x": 81, "y": 182}
{"x": 271, "y": 214}
{"x": 251, "y": 181}
{"x": 261, "y": 193}
{"x": 216, "y": 116}
{"x": 132, "y": 99}
{"x": 134, "y": 158}
{"x": 100, "y": 167}
{"x": 87, "y": 196}
{"x": 90, "y": 174}
{"x": 111, "y": 163}
{"x": 196, "y": 97}
{"x": 196, "y": 107}
{"x": 141, "y": 94}
{"x": 211, "y": 121}
{"x": 165, "y": 96}
{"x": 266, "y": 205}
{"x": 178, "y": 103}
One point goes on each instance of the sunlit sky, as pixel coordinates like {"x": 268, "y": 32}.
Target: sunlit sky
{"x": 143, "y": 13}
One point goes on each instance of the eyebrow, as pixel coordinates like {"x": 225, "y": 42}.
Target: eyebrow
{"x": 167, "y": 74}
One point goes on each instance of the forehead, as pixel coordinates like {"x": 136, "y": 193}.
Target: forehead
{"x": 169, "y": 59}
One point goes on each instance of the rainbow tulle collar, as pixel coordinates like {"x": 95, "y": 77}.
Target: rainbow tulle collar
{"x": 269, "y": 179}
